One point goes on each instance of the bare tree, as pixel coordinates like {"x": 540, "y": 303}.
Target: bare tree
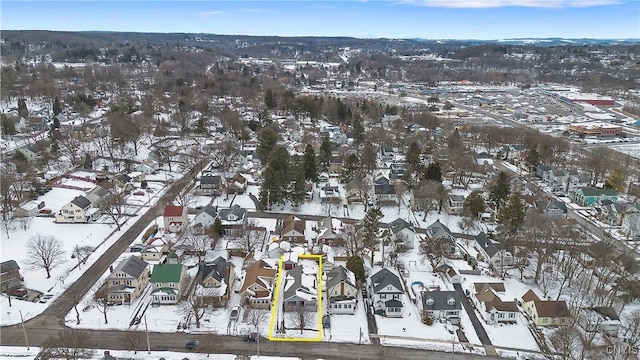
{"x": 25, "y": 222}
{"x": 67, "y": 344}
{"x": 301, "y": 318}
{"x": 101, "y": 300}
{"x": 114, "y": 206}
{"x": 184, "y": 198}
{"x": 631, "y": 326}
{"x": 198, "y": 244}
{"x": 257, "y": 316}
{"x": 567, "y": 342}
{"x": 194, "y": 306}
{"x": 131, "y": 340}
{"x": 44, "y": 252}
{"x": 253, "y": 237}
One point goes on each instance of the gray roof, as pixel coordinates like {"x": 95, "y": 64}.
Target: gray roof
{"x": 393, "y": 303}
{"x": 291, "y": 291}
{"x": 219, "y": 269}
{"x": 8, "y": 266}
{"x": 483, "y": 240}
{"x": 132, "y": 266}
{"x": 81, "y": 202}
{"x": 209, "y": 209}
{"x": 438, "y": 230}
{"x": 99, "y": 191}
{"x": 210, "y": 179}
{"x": 399, "y": 224}
{"x": 338, "y": 275}
{"x": 384, "y": 189}
{"x": 441, "y": 300}
{"x": 235, "y": 210}
{"x": 383, "y": 278}
{"x": 554, "y": 204}
{"x": 382, "y": 180}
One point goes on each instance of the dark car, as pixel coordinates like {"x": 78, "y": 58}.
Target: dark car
{"x": 251, "y": 337}
{"x": 192, "y": 344}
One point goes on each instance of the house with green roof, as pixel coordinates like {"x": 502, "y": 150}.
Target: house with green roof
{"x": 167, "y": 281}
{"x": 589, "y": 196}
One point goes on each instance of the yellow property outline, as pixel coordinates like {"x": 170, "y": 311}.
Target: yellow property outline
{"x": 274, "y": 308}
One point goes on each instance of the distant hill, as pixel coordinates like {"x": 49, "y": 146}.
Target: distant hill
{"x": 539, "y": 41}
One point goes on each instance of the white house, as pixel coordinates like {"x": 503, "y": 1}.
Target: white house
{"x": 76, "y": 211}
{"x": 403, "y": 234}
{"x": 387, "y": 291}
{"x": 442, "y": 305}
{"x": 600, "y": 318}
{"x": 494, "y": 253}
{"x": 204, "y": 219}
{"x": 491, "y": 306}
{"x": 631, "y": 222}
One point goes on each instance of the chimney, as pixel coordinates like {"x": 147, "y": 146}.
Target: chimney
{"x": 110, "y": 268}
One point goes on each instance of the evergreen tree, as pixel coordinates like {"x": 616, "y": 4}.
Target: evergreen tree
{"x": 413, "y": 156}
{"x": 309, "y": 164}
{"x": 370, "y": 230}
{"x": 274, "y": 189}
{"x": 358, "y": 129}
{"x": 88, "y": 162}
{"x": 8, "y": 126}
{"x": 533, "y": 158}
{"x": 433, "y": 172}
{"x": 454, "y": 141}
{"x": 356, "y": 265}
{"x": 350, "y": 168}
{"x": 56, "y": 122}
{"x": 23, "y": 111}
{"x": 57, "y": 109}
{"x": 500, "y": 190}
{"x": 325, "y": 153}
{"x": 201, "y": 126}
{"x": 473, "y": 205}
{"x": 297, "y": 188}
{"x": 512, "y": 215}
{"x": 267, "y": 139}
{"x": 270, "y": 99}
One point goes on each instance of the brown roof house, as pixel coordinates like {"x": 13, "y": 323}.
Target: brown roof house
{"x": 293, "y": 229}
{"x": 257, "y": 288}
{"x": 492, "y": 308}
{"x": 545, "y": 312}
{"x": 175, "y": 218}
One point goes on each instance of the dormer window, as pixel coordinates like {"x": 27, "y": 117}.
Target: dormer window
{"x": 232, "y": 217}
{"x": 429, "y": 301}
{"x": 451, "y": 301}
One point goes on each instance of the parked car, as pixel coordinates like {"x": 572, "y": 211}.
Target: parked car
{"x": 235, "y": 312}
{"x": 19, "y": 292}
{"x": 192, "y": 344}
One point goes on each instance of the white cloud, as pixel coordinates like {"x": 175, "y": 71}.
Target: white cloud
{"x": 206, "y": 14}
{"x": 520, "y": 3}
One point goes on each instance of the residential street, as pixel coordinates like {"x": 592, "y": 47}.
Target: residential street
{"x": 111, "y": 339}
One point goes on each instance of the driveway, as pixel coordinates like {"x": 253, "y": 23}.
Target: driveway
{"x": 477, "y": 325}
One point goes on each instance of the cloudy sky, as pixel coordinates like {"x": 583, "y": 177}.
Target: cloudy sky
{"x": 429, "y": 19}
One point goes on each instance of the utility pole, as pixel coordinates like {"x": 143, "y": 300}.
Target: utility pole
{"x": 146, "y": 329}
{"x": 258, "y": 338}
{"x": 24, "y": 330}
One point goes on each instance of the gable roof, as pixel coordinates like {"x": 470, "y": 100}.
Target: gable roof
{"x": 383, "y": 278}
{"x": 218, "y": 269}
{"x": 8, "y": 266}
{"x": 165, "y": 273}
{"x": 438, "y": 230}
{"x": 291, "y": 223}
{"x": 81, "y": 201}
{"x": 258, "y": 273}
{"x": 385, "y": 189}
{"x": 398, "y": 225}
{"x": 441, "y": 300}
{"x": 132, "y": 266}
{"x": 496, "y": 286}
{"x": 209, "y": 210}
{"x": 172, "y": 210}
{"x": 482, "y": 240}
{"x": 594, "y": 191}
{"x": 210, "y": 179}
{"x": 338, "y": 275}
{"x": 530, "y": 296}
{"x": 552, "y": 308}
{"x": 234, "y": 210}
{"x": 506, "y": 306}
{"x": 293, "y": 285}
